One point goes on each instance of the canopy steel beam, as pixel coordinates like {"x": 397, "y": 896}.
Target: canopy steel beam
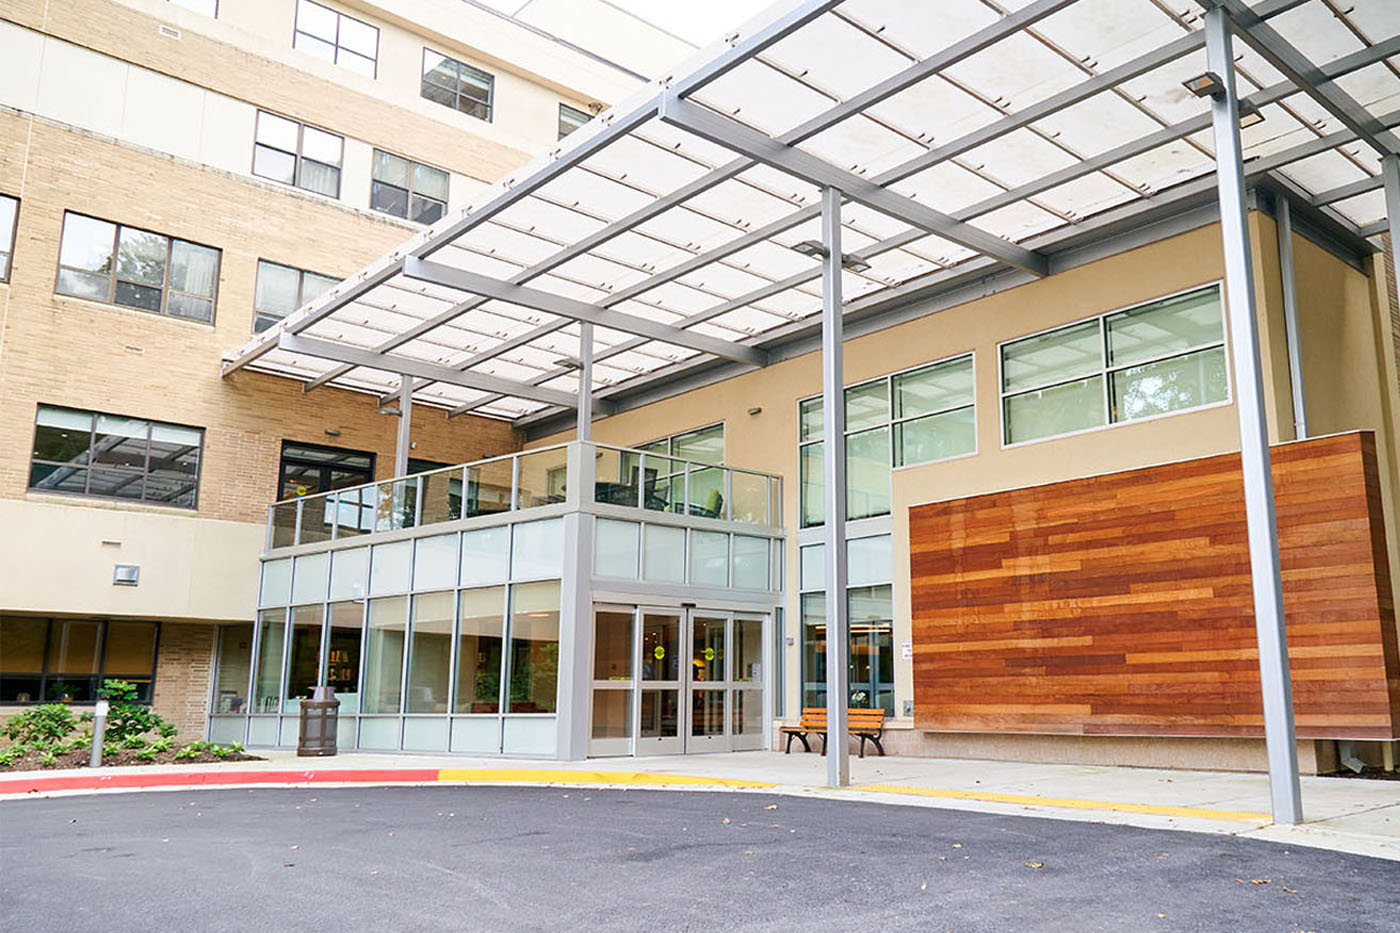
{"x": 526, "y": 297}
{"x": 735, "y": 136}
{"x": 1241, "y": 314}
{"x": 583, "y": 144}
{"x": 1309, "y": 78}
{"x": 480, "y": 382}
{"x": 1342, "y": 192}
{"x": 964, "y": 48}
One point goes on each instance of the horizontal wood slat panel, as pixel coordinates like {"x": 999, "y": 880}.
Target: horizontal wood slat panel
{"x": 1121, "y": 604}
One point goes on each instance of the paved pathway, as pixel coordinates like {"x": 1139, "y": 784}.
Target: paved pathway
{"x": 550, "y": 858}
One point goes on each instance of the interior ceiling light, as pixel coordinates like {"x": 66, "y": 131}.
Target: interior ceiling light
{"x": 814, "y": 248}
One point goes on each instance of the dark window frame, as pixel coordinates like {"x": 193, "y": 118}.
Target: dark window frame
{"x": 297, "y": 157}
{"x": 9, "y": 251}
{"x": 301, "y": 291}
{"x": 324, "y": 467}
{"x": 114, "y": 278}
{"x": 572, "y": 111}
{"x": 47, "y": 679}
{"x": 88, "y": 465}
{"x": 340, "y": 16}
{"x": 410, "y": 192}
{"x": 460, "y": 67}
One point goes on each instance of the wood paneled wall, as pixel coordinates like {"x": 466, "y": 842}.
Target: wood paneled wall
{"x": 1121, "y": 604}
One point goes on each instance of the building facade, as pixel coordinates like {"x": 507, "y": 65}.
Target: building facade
{"x": 1044, "y": 534}
{"x": 175, "y": 175}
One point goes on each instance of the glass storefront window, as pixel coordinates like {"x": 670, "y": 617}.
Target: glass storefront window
{"x": 870, "y": 674}
{"x": 233, "y": 665}
{"x": 479, "y": 650}
{"x": 304, "y": 664}
{"x": 388, "y": 622}
{"x": 430, "y": 652}
{"x": 272, "y": 626}
{"x": 66, "y": 660}
{"x": 347, "y": 622}
{"x": 534, "y": 647}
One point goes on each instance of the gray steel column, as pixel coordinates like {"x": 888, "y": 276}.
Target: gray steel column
{"x": 405, "y": 425}
{"x": 1276, "y": 686}
{"x": 585, "y": 381}
{"x": 838, "y": 762}
{"x": 1390, "y": 175}
{"x": 1283, "y": 221}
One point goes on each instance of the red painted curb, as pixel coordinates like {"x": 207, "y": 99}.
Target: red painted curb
{"x": 41, "y": 784}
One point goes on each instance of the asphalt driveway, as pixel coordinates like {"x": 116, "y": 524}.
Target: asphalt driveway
{"x": 512, "y": 858}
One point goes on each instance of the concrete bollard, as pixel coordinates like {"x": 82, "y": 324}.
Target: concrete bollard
{"x": 99, "y": 729}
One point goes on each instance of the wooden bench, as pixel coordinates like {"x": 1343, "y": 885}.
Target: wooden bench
{"x": 868, "y": 725}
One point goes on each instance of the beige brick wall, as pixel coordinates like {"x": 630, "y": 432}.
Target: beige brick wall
{"x": 68, "y": 351}
{"x": 184, "y": 668}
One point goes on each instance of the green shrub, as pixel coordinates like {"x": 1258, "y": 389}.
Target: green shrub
{"x": 148, "y": 754}
{"x": 48, "y": 759}
{"x": 12, "y": 753}
{"x": 126, "y": 717}
{"x": 43, "y": 725}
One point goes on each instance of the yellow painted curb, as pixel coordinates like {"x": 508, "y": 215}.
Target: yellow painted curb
{"x": 1238, "y": 816}
{"x": 562, "y": 776}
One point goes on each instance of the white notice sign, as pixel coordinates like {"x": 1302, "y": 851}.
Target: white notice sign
{"x": 906, "y": 650}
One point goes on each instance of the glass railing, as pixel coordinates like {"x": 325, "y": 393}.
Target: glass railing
{"x": 658, "y": 483}
{"x": 527, "y": 480}
{"x": 501, "y": 484}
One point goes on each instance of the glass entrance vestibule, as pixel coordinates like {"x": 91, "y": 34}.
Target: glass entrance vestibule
{"x": 454, "y": 618}
{"x": 674, "y": 681}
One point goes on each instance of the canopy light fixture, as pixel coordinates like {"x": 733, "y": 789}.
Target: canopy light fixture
{"x": 388, "y": 410}
{"x": 1205, "y": 84}
{"x": 567, "y": 362}
{"x": 814, "y": 248}
{"x": 1250, "y": 115}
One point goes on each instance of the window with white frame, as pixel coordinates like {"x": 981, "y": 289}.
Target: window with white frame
{"x": 280, "y": 290}
{"x": 296, "y": 154}
{"x": 9, "y": 220}
{"x": 407, "y": 189}
{"x": 571, "y": 118}
{"x": 335, "y": 37}
{"x": 457, "y": 85}
{"x": 123, "y": 265}
{"x": 917, "y": 416}
{"x": 209, "y": 8}
{"x": 1152, "y": 359}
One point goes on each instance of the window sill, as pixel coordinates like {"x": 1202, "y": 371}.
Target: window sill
{"x": 114, "y": 505}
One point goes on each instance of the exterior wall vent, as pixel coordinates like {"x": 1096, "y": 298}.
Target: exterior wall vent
{"x": 170, "y": 32}
{"x": 126, "y": 575}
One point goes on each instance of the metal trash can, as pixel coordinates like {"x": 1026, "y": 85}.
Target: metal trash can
{"x": 320, "y": 717}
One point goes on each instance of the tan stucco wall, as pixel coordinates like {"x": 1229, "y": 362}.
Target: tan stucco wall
{"x": 767, "y": 441}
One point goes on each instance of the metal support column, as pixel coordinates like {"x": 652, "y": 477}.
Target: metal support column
{"x": 1254, "y": 441}
{"x": 1283, "y": 221}
{"x": 1390, "y": 176}
{"x": 838, "y": 761}
{"x": 585, "y": 381}
{"x": 401, "y": 448}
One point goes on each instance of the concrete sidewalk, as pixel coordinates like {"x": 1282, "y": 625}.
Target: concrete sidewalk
{"x": 1347, "y": 815}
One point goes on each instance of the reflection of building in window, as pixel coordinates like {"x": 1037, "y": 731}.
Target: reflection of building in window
{"x": 111, "y": 457}
{"x": 870, "y": 614}
{"x": 407, "y": 189}
{"x": 457, "y": 85}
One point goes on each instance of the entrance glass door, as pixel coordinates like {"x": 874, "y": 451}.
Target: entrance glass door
{"x": 659, "y": 727}
{"x": 614, "y": 659}
{"x": 709, "y": 641}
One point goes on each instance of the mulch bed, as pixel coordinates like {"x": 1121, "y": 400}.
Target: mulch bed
{"x": 1370, "y": 774}
{"x": 123, "y": 757}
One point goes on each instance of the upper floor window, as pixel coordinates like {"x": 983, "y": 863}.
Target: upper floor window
{"x": 335, "y": 37}
{"x": 9, "y": 217}
{"x": 209, "y": 8}
{"x": 136, "y": 268}
{"x": 88, "y": 453}
{"x": 296, "y": 154}
{"x": 1152, "y": 359}
{"x": 457, "y": 85}
{"x": 916, "y": 416}
{"x": 282, "y": 289}
{"x": 570, "y": 119}
{"x": 307, "y": 469}
{"x": 408, "y": 189}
